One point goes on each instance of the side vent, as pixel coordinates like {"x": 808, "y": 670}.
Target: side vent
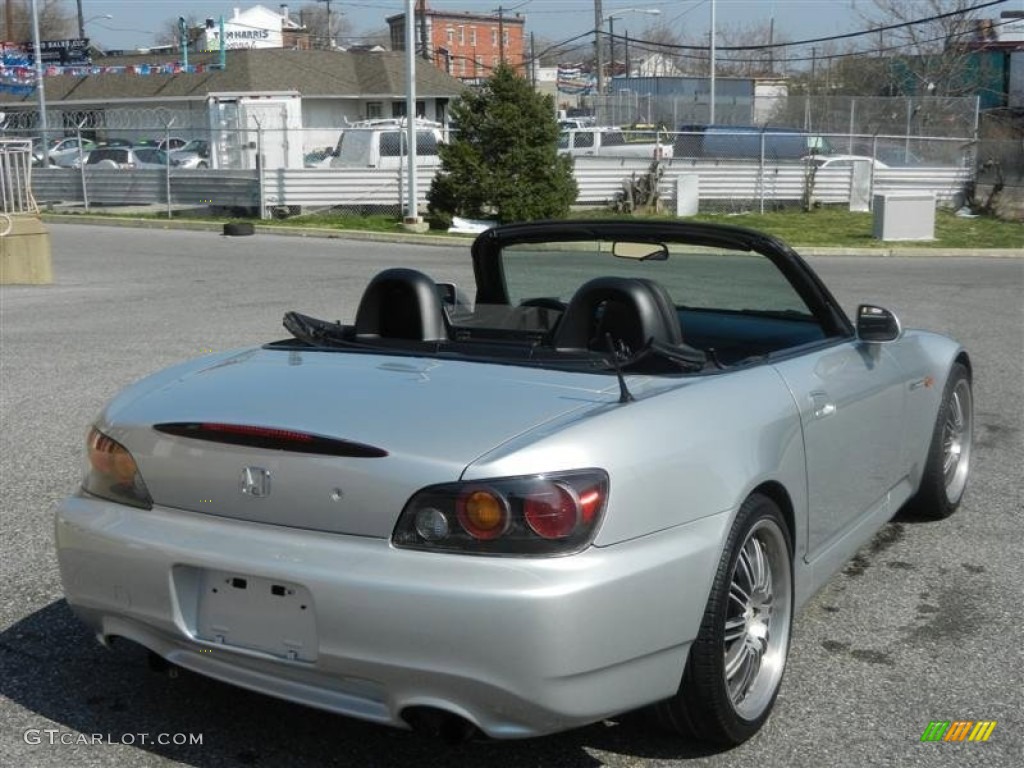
{"x": 269, "y": 438}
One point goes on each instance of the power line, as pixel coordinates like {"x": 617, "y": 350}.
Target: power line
{"x": 845, "y": 36}
{"x": 658, "y": 48}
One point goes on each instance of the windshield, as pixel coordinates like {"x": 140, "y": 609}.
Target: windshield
{"x": 696, "y": 277}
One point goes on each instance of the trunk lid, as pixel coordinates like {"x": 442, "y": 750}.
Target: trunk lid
{"x": 432, "y": 417}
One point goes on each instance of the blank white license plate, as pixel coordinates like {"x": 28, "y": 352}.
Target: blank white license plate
{"x": 243, "y": 611}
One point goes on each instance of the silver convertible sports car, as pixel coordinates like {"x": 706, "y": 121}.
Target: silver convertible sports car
{"x": 606, "y": 480}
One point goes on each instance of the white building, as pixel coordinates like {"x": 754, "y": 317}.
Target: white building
{"x": 256, "y": 27}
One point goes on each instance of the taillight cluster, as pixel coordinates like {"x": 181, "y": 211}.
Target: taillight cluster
{"x": 549, "y": 514}
{"x": 113, "y": 473}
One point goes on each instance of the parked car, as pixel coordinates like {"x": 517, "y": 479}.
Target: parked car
{"x": 383, "y": 144}
{"x": 78, "y": 159}
{"x": 614, "y": 142}
{"x": 62, "y": 151}
{"x": 824, "y": 162}
{"x": 174, "y": 142}
{"x": 127, "y": 157}
{"x": 194, "y": 154}
{"x": 610, "y": 482}
{"x": 744, "y": 142}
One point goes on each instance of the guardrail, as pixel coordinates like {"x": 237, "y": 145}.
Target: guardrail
{"x": 600, "y": 183}
{"x": 148, "y": 186}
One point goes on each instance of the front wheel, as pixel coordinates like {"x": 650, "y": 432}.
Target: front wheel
{"x": 734, "y": 669}
{"x": 949, "y": 455}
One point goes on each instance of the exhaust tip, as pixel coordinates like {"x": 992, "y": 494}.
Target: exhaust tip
{"x": 437, "y": 723}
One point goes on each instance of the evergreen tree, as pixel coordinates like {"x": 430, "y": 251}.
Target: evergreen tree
{"x": 503, "y": 161}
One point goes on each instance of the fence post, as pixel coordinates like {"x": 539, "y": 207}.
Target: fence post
{"x": 760, "y": 173}
{"x": 81, "y": 164}
{"x": 853, "y": 112}
{"x": 167, "y": 164}
{"x": 260, "y": 173}
{"x": 874, "y": 154}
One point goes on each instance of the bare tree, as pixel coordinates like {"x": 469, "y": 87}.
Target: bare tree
{"x": 381, "y": 37}
{"x": 168, "y": 33}
{"x": 313, "y": 16}
{"x": 752, "y": 63}
{"x": 934, "y": 57}
{"x": 56, "y": 21}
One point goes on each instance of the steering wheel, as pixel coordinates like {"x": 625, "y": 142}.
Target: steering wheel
{"x": 544, "y": 302}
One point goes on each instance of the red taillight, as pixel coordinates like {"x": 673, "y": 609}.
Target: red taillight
{"x": 590, "y": 502}
{"x": 551, "y": 511}
{"x": 271, "y": 438}
{"x": 268, "y": 432}
{"x": 550, "y": 514}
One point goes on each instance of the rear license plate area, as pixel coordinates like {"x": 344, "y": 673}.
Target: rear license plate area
{"x": 244, "y": 611}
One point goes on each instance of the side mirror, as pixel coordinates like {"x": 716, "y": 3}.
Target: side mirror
{"x": 448, "y": 294}
{"x": 876, "y": 324}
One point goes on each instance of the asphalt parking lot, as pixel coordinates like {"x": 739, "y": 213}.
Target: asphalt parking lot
{"x": 925, "y": 624}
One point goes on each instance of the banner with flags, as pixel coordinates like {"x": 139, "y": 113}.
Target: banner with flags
{"x": 18, "y": 76}
{"x": 576, "y": 81}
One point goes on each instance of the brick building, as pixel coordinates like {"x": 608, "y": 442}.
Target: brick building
{"x": 465, "y": 45}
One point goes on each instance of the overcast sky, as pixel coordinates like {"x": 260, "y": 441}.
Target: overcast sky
{"x": 135, "y": 22}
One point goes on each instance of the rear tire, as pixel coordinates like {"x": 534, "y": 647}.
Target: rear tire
{"x": 735, "y": 666}
{"x": 239, "y": 229}
{"x": 949, "y": 456}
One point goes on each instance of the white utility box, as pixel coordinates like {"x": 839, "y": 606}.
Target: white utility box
{"x": 687, "y": 194}
{"x": 904, "y": 216}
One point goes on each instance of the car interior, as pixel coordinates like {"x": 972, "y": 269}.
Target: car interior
{"x": 611, "y": 322}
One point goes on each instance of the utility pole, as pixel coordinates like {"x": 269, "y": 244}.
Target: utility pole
{"x": 501, "y": 34}
{"x": 423, "y": 31}
{"x": 771, "y": 42}
{"x": 330, "y": 40}
{"x": 611, "y": 46}
{"x": 533, "y": 60}
{"x": 81, "y": 20}
{"x": 711, "y": 106}
{"x": 599, "y": 59}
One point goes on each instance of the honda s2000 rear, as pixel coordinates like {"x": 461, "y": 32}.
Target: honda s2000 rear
{"x": 608, "y": 481}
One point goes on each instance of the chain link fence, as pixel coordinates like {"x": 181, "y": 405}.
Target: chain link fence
{"x": 276, "y": 171}
{"x": 948, "y": 117}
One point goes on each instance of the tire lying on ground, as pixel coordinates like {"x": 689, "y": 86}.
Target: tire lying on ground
{"x": 239, "y": 229}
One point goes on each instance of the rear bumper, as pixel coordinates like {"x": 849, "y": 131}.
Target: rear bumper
{"x": 517, "y": 646}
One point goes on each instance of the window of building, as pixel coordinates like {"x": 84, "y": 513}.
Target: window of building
{"x": 504, "y": 37}
{"x": 472, "y": 35}
{"x": 451, "y": 35}
{"x": 462, "y": 35}
{"x": 374, "y": 110}
{"x": 494, "y": 37}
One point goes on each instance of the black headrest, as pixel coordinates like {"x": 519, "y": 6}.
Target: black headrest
{"x": 401, "y": 304}
{"x": 633, "y": 311}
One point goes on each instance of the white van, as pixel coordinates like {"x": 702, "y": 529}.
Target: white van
{"x": 383, "y": 144}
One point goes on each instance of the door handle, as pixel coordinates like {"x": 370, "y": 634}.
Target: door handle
{"x": 821, "y": 405}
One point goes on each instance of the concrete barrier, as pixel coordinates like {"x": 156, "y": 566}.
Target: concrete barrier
{"x": 25, "y": 252}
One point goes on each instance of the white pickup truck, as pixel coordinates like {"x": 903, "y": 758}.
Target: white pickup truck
{"x": 614, "y": 142}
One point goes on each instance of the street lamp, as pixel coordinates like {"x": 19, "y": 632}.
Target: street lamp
{"x": 610, "y": 18}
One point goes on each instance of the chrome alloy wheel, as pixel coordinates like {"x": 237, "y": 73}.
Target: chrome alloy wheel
{"x": 957, "y": 437}
{"x": 758, "y": 616}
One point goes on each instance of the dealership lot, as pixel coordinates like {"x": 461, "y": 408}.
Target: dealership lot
{"x": 923, "y": 625}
